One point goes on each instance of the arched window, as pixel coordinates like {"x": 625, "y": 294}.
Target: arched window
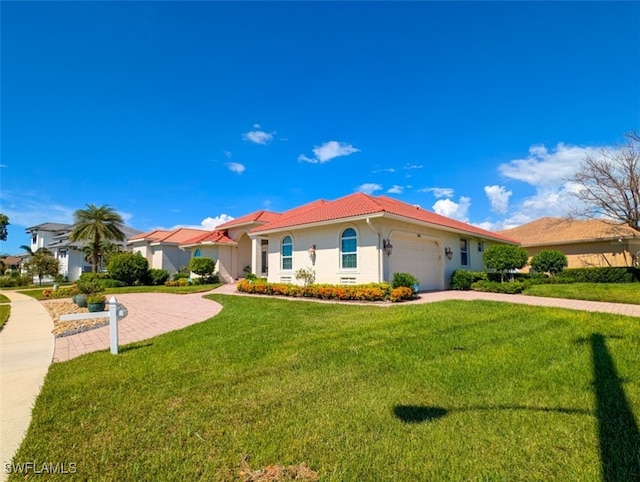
{"x": 348, "y": 248}
{"x": 197, "y": 253}
{"x": 286, "y": 253}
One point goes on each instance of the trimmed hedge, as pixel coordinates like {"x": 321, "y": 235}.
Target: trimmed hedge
{"x": 461, "y": 279}
{"x": 363, "y": 292}
{"x": 510, "y": 288}
{"x": 602, "y": 275}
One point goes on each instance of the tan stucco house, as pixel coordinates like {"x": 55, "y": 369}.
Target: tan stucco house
{"x": 352, "y": 240}
{"x": 585, "y": 242}
{"x": 162, "y": 248}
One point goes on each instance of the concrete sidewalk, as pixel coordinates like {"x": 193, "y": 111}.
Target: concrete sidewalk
{"x": 26, "y": 351}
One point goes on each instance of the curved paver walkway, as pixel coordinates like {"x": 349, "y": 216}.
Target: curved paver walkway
{"x": 148, "y": 315}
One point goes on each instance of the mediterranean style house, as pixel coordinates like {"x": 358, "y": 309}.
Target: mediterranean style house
{"x": 356, "y": 239}
{"x": 162, "y": 248}
{"x": 70, "y": 255}
{"x": 585, "y": 242}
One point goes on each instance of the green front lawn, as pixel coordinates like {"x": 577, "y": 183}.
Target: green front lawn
{"x": 447, "y": 391}
{"x": 5, "y": 310}
{"x": 4, "y": 299}
{"x": 608, "y": 292}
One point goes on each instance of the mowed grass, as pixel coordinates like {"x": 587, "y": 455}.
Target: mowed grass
{"x": 5, "y": 310}
{"x": 607, "y": 292}
{"x": 447, "y": 391}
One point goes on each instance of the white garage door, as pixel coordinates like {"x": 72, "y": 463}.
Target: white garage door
{"x": 418, "y": 256}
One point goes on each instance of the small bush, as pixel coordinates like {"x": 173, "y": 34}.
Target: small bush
{"x": 130, "y": 268}
{"x": 180, "y": 275}
{"x": 549, "y": 261}
{"x": 93, "y": 276}
{"x": 111, "y": 283}
{"x": 8, "y": 281}
{"x": 158, "y": 276}
{"x": 202, "y": 266}
{"x": 510, "y": 288}
{"x": 400, "y": 294}
{"x": 89, "y": 287}
{"x": 178, "y": 282}
{"x": 96, "y": 299}
{"x": 307, "y": 275}
{"x": 404, "y": 279}
{"x": 461, "y": 279}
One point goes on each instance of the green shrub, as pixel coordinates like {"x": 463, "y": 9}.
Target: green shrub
{"x": 111, "y": 283}
{"x": 404, "y": 279}
{"x": 202, "y": 266}
{"x": 180, "y": 275}
{"x": 89, "y": 287}
{"x": 461, "y": 279}
{"x": 307, "y": 275}
{"x": 499, "y": 287}
{"x": 129, "y": 268}
{"x": 96, "y": 299}
{"x": 549, "y": 261}
{"x": 8, "y": 281}
{"x": 158, "y": 276}
{"x": 602, "y": 275}
{"x": 505, "y": 258}
{"x": 178, "y": 282}
{"x": 93, "y": 276}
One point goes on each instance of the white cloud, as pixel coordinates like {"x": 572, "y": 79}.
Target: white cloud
{"x": 208, "y": 223}
{"x": 30, "y": 209}
{"x": 439, "y": 192}
{"x": 369, "y": 187}
{"x": 451, "y": 209}
{"x": 544, "y": 167}
{"x": 235, "y": 167}
{"x": 395, "y": 189}
{"x": 257, "y": 136}
{"x": 410, "y": 166}
{"x": 327, "y": 151}
{"x": 389, "y": 169}
{"x": 498, "y": 197}
{"x": 227, "y": 154}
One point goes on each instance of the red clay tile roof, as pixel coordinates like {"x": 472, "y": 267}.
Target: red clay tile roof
{"x": 211, "y": 237}
{"x": 164, "y": 236}
{"x": 360, "y": 204}
{"x": 261, "y": 216}
{"x": 561, "y": 231}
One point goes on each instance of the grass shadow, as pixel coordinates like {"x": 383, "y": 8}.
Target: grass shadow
{"x": 134, "y": 346}
{"x": 617, "y": 428}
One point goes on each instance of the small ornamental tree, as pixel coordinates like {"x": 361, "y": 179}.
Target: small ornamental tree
{"x": 505, "y": 257}
{"x": 42, "y": 264}
{"x": 549, "y": 261}
{"x": 129, "y": 268}
{"x": 202, "y": 266}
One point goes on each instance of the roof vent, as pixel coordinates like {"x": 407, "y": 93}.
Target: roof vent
{"x": 417, "y": 206}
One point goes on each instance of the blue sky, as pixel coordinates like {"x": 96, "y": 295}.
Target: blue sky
{"x": 184, "y": 114}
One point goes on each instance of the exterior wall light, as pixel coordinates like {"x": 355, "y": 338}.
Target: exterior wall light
{"x": 387, "y": 247}
{"x": 448, "y": 252}
{"x": 312, "y": 251}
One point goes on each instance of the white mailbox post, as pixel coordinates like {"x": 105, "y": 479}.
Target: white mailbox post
{"x": 113, "y": 324}
{"x": 112, "y": 314}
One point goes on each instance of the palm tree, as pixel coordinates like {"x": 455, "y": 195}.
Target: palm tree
{"x": 96, "y": 224}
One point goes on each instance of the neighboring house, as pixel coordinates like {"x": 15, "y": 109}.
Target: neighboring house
{"x": 70, "y": 255}
{"x": 13, "y": 263}
{"x": 355, "y": 239}
{"x": 586, "y": 243}
{"x": 162, "y": 248}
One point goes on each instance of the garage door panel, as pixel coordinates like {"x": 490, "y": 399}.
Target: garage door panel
{"x": 419, "y": 257}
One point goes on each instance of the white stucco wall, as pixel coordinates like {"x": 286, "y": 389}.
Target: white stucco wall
{"x": 373, "y": 265}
